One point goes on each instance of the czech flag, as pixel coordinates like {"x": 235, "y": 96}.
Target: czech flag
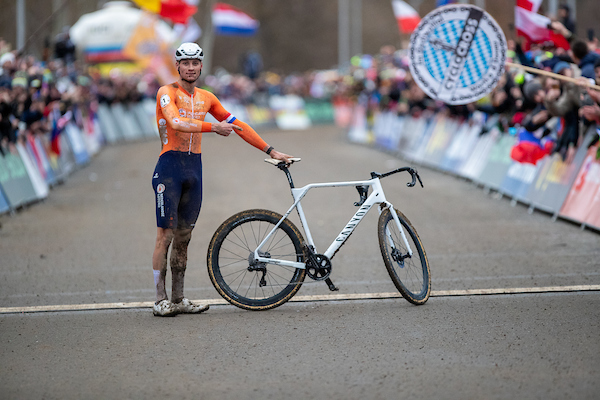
{"x": 231, "y": 21}
{"x": 406, "y": 16}
{"x": 178, "y": 11}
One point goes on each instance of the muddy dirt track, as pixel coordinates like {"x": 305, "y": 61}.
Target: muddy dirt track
{"x": 91, "y": 242}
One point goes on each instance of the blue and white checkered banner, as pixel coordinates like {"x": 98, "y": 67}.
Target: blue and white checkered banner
{"x": 457, "y": 54}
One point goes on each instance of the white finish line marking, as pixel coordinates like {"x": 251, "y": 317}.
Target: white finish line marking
{"x": 298, "y": 299}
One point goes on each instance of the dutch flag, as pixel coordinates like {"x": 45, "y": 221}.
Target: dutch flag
{"x": 231, "y": 21}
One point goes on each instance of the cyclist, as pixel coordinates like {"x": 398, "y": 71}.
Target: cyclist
{"x": 177, "y": 179}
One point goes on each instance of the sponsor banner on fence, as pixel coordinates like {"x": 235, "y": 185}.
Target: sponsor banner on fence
{"x": 387, "y": 128}
{"x": 146, "y": 124}
{"x": 498, "y": 161}
{"x": 4, "y": 207}
{"x": 108, "y": 125}
{"x": 517, "y": 180}
{"x": 420, "y": 140}
{"x": 15, "y": 181}
{"x": 319, "y": 111}
{"x": 583, "y": 201}
{"x": 289, "y": 112}
{"x": 342, "y": 113}
{"x": 92, "y": 135}
{"x": 39, "y": 184}
{"x": 77, "y": 144}
{"x": 462, "y": 147}
{"x": 411, "y": 134}
{"x": 260, "y": 117}
{"x": 131, "y": 130}
{"x": 37, "y": 152}
{"x": 551, "y": 185}
{"x": 441, "y": 137}
{"x": 359, "y": 133}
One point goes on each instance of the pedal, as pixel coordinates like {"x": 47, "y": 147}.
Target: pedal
{"x": 332, "y": 287}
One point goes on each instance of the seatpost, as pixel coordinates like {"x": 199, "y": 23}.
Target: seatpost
{"x": 285, "y": 169}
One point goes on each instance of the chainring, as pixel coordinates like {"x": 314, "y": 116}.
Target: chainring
{"x": 318, "y": 267}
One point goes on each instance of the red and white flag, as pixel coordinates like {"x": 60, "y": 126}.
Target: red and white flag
{"x": 534, "y": 27}
{"x": 406, "y": 16}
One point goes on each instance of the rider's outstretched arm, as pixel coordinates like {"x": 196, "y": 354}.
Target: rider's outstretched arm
{"x": 247, "y": 133}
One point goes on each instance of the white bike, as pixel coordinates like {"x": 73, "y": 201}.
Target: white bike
{"x": 258, "y": 259}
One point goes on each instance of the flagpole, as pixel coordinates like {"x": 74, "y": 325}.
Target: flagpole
{"x": 550, "y": 74}
{"x": 343, "y": 34}
{"x": 208, "y": 37}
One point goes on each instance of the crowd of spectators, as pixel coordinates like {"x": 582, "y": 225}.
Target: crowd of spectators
{"x": 35, "y": 95}
{"x": 38, "y": 97}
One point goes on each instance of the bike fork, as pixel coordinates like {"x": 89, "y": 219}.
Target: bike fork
{"x": 402, "y": 234}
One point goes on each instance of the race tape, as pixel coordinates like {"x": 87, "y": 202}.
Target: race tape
{"x": 457, "y": 54}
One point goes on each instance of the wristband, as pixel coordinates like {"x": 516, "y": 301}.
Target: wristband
{"x": 269, "y": 150}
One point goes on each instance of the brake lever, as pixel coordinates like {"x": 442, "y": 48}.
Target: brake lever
{"x": 415, "y": 176}
{"x": 419, "y": 178}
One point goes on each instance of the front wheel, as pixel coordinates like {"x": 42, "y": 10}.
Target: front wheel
{"x": 410, "y": 273}
{"x": 244, "y": 282}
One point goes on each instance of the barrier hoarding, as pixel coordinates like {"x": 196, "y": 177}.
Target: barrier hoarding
{"x": 4, "y": 207}
{"x": 359, "y": 132}
{"x": 260, "y": 117}
{"x": 39, "y": 184}
{"x": 461, "y": 148}
{"x": 15, "y": 181}
{"x": 319, "y": 111}
{"x": 498, "y": 161}
{"x": 76, "y": 143}
{"x": 130, "y": 129}
{"x": 110, "y": 129}
{"x": 551, "y": 185}
{"x": 583, "y": 200}
{"x": 145, "y": 123}
{"x": 387, "y": 128}
{"x": 289, "y": 112}
{"x": 441, "y": 138}
{"x": 342, "y": 113}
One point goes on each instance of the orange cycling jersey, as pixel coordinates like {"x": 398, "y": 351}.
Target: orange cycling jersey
{"x": 180, "y": 118}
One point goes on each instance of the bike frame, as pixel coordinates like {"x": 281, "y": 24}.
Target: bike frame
{"x": 376, "y": 197}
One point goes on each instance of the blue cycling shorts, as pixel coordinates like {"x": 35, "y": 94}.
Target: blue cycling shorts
{"x": 177, "y": 183}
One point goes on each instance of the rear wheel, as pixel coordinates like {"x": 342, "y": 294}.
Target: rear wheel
{"x": 410, "y": 273}
{"x": 244, "y": 282}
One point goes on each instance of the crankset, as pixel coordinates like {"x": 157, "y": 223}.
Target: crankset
{"x": 318, "y": 267}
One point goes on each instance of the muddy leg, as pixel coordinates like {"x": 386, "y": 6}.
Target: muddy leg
{"x": 179, "y": 262}
{"x": 159, "y": 261}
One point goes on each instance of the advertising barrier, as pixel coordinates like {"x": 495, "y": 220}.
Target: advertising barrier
{"x": 15, "y": 181}
{"x": 289, "y": 112}
{"x": 4, "y": 207}
{"x": 478, "y": 151}
{"x": 583, "y": 200}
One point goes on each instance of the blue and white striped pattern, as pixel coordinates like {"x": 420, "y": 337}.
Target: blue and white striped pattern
{"x": 437, "y": 60}
{"x": 230, "y": 119}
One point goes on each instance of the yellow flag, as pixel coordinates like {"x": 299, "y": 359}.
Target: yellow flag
{"x": 151, "y": 5}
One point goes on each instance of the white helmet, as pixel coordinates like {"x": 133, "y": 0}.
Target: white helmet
{"x": 188, "y": 51}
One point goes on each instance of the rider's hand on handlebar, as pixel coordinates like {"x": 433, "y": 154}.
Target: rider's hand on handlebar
{"x": 281, "y": 156}
{"x": 224, "y": 128}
